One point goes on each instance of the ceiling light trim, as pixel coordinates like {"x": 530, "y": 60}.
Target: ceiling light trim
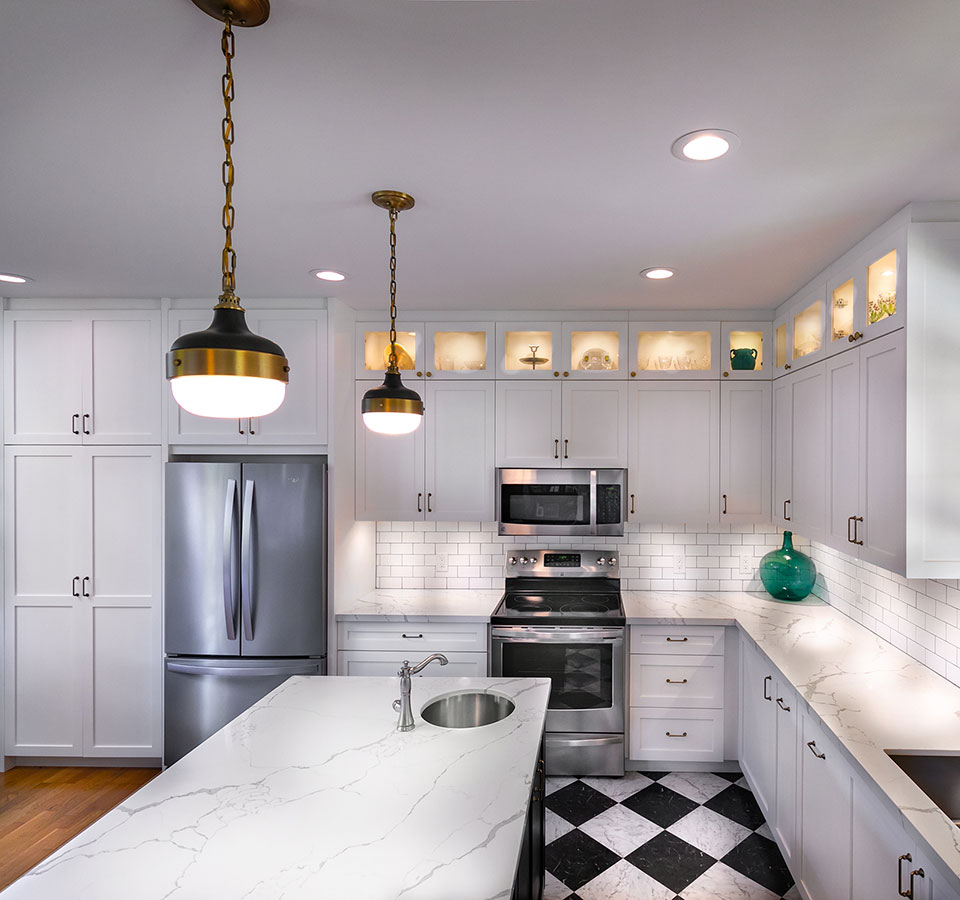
{"x": 677, "y": 147}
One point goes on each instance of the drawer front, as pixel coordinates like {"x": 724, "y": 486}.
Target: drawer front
{"x": 428, "y": 637}
{"x": 677, "y": 682}
{"x": 387, "y": 663}
{"x": 697, "y": 640}
{"x": 676, "y": 734}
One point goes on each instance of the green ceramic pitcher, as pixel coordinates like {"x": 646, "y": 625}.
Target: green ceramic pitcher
{"x": 787, "y": 574}
{"x": 743, "y": 358}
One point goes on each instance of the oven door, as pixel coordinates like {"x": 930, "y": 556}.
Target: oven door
{"x": 584, "y": 665}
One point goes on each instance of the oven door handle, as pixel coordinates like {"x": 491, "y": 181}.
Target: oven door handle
{"x": 570, "y": 740}
{"x": 603, "y": 635}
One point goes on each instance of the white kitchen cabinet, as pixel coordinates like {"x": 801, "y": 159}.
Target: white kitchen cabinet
{"x": 82, "y": 624}
{"x": 302, "y": 417}
{"x": 443, "y": 471}
{"x": 785, "y": 817}
{"x": 675, "y": 452}
{"x": 758, "y": 727}
{"x": 826, "y": 815}
{"x": 458, "y": 350}
{"x": 747, "y": 343}
{"x": 745, "y": 451}
{"x": 842, "y": 373}
{"x": 675, "y": 351}
{"x": 800, "y": 328}
{"x": 82, "y": 378}
{"x": 595, "y": 350}
{"x": 373, "y": 349}
{"x": 386, "y": 664}
{"x": 573, "y": 425}
{"x": 530, "y": 350}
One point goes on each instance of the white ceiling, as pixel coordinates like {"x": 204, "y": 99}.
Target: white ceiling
{"x": 535, "y": 135}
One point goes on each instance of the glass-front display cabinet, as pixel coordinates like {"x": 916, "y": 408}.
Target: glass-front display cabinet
{"x": 373, "y": 349}
{"x": 745, "y": 350}
{"x": 594, "y": 350}
{"x": 842, "y": 298}
{"x": 459, "y": 350}
{"x": 530, "y": 350}
{"x": 675, "y": 350}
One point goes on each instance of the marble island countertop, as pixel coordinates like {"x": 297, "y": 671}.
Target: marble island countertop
{"x": 312, "y": 792}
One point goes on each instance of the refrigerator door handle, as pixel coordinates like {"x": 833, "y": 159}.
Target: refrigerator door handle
{"x": 229, "y": 589}
{"x": 246, "y": 560}
{"x": 312, "y": 668}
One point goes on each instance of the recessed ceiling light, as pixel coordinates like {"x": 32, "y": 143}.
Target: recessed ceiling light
{"x": 10, "y": 278}
{"x": 657, "y": 273}
{"x": 328, "y": 275}
{"x": 700, "y": 146}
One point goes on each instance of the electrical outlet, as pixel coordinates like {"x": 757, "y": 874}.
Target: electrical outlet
{"x": 679, "y": 566}
{"x": 442, "y": 566}
{"x": 746, "y": 565}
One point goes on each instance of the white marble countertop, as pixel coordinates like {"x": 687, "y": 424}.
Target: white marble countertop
{"x": 313, "y": 793}
{"x": 422, "y": 605}
{"x": 872, "y": 696}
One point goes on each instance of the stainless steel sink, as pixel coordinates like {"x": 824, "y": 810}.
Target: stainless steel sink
{"x": 937, "y": 775}
{"x": 467, "y": 709}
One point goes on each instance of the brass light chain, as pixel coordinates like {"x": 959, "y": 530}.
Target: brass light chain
{"x": 393, "y": 290}
{"x": 228, "y": 298}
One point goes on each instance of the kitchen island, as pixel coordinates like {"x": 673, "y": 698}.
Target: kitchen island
{"x": 313, "y": 793}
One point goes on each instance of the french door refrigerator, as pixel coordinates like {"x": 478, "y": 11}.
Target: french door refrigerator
{"x": 245, "y": 589}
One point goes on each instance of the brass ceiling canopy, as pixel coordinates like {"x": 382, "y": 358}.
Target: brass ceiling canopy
{"x": 397, "y": 200}
{"x": 245, "y": 13}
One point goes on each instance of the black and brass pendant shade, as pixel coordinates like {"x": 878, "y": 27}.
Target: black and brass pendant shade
{"x": 392, "y": 408}
{"x": 227, "y": 371}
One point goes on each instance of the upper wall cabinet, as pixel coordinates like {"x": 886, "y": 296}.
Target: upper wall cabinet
{"x": 530, "y": 350}
{"x": 373, "y": 349}
{"x": 594, "y": 350}
{"x": 675, "y": 350}
{"x": 301, "y": 419}
{"x": 746, "y": 350}
{"x": 82, "y": 378}
{"x": 800, "y": 330}
{"x": 458, "y": 350}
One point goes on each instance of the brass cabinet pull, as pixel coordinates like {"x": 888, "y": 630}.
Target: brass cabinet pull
{"x": 240, "y": 427}
{"x": 83, "y": 586}
{"x": 766, "y": 678}
{"x": 856, "y": 529}
{"x": 786, "y": 518}
{"x": 724, "y": 504}
{"x": 849, "y": 523}
{"x": 556, "y": 448}
{"x": 429, "y": 498}
{"x": 726, "y": 374}
{"x": 556, "y": 374}
{"x": 677, "y": 640}
{"x": 419, "y": 374}
{"x": 813, "y": 749}
{"x": 633, "y": 374}
{"x": 250, "y": 426}
{"x": 900, "y": 860}
{"x": 420, "y": 502}
{"x": 633, "y": 507}
{"x": 782, "y": 705}
{"x": 786, "y": 365}
{"x": 565, "y": 443}
{"x": 910, "y": 891}
{"x": 566, "y": 374}
{"x": 429, "y": 374}
{"x": 75, "y": 421}
{"x": 855, "y": 336}
{"x": 671, "y": 681}
{"x": 671, "y": 734}
{"x": 84, "y": 421}
{"x": 76, "y": 586}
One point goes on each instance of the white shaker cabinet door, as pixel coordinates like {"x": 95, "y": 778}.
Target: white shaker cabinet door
{"x": 43, "y": 569}
{"x": 389, "y": 476}
{"x": 302, "y": 417}
{"x": 843, "y": 448}
{"x": 745, "y": 457}
{"x": 459, "y": 423}
{"x": 124, "y": 390}
{"x": 758, "y": 727}
{"x": 826, "y": 815}
{"x": 782, "y": 451}
{"x": 883, "y": 455}
{"x": 675, "y": 465}
{"x": 808, "y": 508}
{"x": 122, "y": 613}
{"x": 786, "y": 817}
{"x": 595, "y": 426}
{"x": 45, "y": 355}
{"x": 528, "y": 424}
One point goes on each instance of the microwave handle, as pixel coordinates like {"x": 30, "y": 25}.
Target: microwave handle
{"x": 593, "y": 501}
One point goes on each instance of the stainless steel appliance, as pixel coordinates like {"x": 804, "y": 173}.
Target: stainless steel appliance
{"x": 561, "y": 501}
{"x": 561, "y": 617}
{"x": 245, "y": 589}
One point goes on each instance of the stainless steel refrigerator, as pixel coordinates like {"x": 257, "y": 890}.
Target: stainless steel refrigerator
{"x": 245, "y": 589}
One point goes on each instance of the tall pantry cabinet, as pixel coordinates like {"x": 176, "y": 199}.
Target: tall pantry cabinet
{"x": 82, "y": 543}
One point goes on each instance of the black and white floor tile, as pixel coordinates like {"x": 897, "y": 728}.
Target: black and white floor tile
{"x": 660, "y": 836}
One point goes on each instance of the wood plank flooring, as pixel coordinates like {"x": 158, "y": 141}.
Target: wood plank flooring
{"x": 41, "y": 808}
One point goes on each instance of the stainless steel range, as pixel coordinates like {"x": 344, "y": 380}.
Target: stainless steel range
{"x": 561, "y": 618}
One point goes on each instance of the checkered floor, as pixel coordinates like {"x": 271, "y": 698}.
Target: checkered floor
{"x": 660, "y": 836}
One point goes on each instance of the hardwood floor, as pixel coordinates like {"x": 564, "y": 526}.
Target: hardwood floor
{"x": 41, "y": 808}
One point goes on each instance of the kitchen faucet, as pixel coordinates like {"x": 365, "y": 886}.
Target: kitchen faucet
{"x": 402, "y": 705}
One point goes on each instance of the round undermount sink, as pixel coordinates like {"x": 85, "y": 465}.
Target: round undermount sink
{"x": 467, "y": 709}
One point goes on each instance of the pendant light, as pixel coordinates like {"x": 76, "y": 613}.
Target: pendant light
{"x": 392, "y": 408}
{"x": 227, "y": 371}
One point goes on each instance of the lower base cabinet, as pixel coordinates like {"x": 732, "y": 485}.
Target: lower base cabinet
{"x": 529, "y": 881}
{"x": 387, "y": 662}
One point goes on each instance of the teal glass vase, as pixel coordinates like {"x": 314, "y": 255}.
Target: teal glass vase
{"x": 787, "y": 574}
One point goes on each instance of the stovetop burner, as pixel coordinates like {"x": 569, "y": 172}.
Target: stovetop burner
{"x": 562, "y": 603}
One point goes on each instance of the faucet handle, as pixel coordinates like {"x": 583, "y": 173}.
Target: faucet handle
{"x": 397, "y": 705}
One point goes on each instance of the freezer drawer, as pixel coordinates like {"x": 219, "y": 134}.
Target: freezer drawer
{"x": 202, "y": 695}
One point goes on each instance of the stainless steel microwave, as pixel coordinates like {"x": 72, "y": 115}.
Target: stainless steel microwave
{"x": 561, "y": 501}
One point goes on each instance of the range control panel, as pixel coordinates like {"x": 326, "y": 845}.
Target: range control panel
{"x": 562, "y": 563}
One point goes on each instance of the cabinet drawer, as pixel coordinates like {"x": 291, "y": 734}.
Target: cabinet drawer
{"x": 697, "y": 640}
{"x": 676, "y": 681}
{"x": 699, "y": 734}
{"x": 386, "y": 663}
{"x": 413, "y": 637}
